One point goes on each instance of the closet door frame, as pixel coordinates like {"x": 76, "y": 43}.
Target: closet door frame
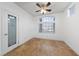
{"x": 4, "y": 29}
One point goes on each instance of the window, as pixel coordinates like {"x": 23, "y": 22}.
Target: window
{"x": 47, "y": 24}
{"x": 71, "y": 10}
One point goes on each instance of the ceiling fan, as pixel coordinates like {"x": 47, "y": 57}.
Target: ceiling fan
{"x": 43, "y": 7}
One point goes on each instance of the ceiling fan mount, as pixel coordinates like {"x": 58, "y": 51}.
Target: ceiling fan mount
{"x": 43, "y": 7}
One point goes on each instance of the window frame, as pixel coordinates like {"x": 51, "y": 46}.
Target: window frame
{"x": 42, "y": 23}
{"x": 70, "y": 9}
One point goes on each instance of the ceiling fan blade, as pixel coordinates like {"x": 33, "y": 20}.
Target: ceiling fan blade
{"x": 48, "y": 4}
{"x": 38, "y": 5}
{"x": 49, "y": 10}
{"x": 37, "y": 11}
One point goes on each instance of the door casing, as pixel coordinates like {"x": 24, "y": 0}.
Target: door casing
{"x": 4, "y": 30}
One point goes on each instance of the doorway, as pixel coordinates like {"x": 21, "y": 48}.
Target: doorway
{"x": 9, "y": 31}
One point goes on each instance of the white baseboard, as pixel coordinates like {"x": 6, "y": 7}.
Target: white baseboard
{"x": 71, "y": 43}
{"x": 72, "y": 47}
{"x": 60, "y": 38}
{"x": 15, "y": 47}
{"x": 51, "y": 37}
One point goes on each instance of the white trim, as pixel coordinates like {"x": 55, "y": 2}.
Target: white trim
{"x": 68, "y": 9}
{"x": 74, "y": 49}
{"x": 71, "y": 45}
{"x": 16, "y": 46}
{"x": 51, "y": 36}
{"x": 5, "y": 11}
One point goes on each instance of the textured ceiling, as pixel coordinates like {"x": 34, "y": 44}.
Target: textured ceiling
{"x": 31, "y": 7}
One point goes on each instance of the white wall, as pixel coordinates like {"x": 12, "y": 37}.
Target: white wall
{"x": 0, "y": 32}
{"x": 59, "y": 28}
{"x": 25, "y": 28}
{"x": 71, "y": 29}
{"x": 67, "y": 29}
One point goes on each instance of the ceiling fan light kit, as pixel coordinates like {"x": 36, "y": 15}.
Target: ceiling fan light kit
{"x": 43, "y": 11}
